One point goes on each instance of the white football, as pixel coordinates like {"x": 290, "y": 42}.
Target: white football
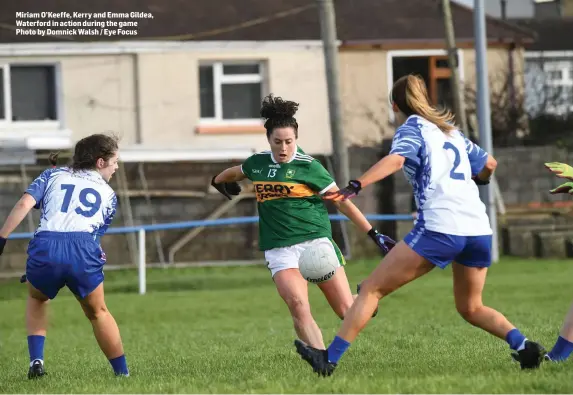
{"x": 318, "y": 263}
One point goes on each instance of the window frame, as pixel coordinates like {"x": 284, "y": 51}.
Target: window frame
{"x": 7, "y": 121}
{"x": 566, "y": 81}
{"x": 219, "y": 79}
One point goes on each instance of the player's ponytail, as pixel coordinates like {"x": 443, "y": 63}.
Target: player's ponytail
{"x": 53, "y": 158}
{"x": 410, "y": 94}
{"x": 279, "y": 113}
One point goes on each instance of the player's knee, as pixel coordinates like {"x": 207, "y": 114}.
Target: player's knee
{"x": 298, "y": 307}
{"x": 468, "y": 311}
{"x": 94, "y": 313}
{"x": 370, "y": 288}
{"x": 38, "y": 300}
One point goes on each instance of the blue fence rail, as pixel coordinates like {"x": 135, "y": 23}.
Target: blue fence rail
{"x": 221, "y": 221}
{"x": 141, "y": 231}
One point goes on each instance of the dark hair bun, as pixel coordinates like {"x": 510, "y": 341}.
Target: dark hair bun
{"x": 53, "y": 158}
{"x": 276, "y": 107}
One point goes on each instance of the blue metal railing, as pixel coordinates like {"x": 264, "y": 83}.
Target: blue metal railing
{"x": 221, "y": 221}
{"x": 141, "y": 231}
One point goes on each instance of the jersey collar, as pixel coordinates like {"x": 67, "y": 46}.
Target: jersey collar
{"x": 290, "y": 160}
{"x": 93, "y": 173}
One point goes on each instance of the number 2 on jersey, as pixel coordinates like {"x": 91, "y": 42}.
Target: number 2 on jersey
{"x": 453, "y": 173}
{"x": 84, "y": 193}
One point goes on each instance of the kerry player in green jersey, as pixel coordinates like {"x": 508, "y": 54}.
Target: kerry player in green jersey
{"x": 292, "y": 215}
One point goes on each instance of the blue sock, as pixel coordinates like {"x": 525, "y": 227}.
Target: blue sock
{"x": 336, "y": 349}
{"x": 561, "y": 350}
{"x": 119, "y": 365}
{"x": 36, "y": 347}
{"x": 515, "y": 339}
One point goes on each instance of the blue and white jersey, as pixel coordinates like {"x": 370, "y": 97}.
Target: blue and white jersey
{"x": 73, "y": 201}
{"x": 440, "y": 167}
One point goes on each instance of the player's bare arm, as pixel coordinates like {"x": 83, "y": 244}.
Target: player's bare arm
{"x": 17, "y": 215}
{"x": 226, "y": 182}
{"x": 385, "y": 167}
{"x": 232, "y": 174}
{"x": 352, "y": 212}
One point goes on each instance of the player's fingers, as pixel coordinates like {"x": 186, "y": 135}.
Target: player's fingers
{"x": 555, "y": 164}
{"x": 225, "y": 193}
{"x": 561, "y": 189}
{"x": 332, "y": 196}
{"x": 556, "y": 168}
{"x": 221, "y": 188}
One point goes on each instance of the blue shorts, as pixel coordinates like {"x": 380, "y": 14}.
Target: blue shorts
{"x": 441, "y": 249}
{"x": 58, "y": 259}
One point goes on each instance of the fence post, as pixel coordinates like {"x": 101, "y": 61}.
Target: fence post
{"x": 141, "y": 260}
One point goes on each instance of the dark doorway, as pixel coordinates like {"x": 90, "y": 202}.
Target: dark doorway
{"x": 435, "y": 72}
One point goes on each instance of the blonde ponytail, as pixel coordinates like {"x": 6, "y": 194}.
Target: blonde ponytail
{"x": 411, "y": 96}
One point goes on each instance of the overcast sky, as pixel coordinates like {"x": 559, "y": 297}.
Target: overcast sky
{"x": 515, "y": 8}
{"x": 465, "y": 2}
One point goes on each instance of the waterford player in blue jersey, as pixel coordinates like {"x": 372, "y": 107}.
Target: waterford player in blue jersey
{"x": 452, "y": 225}
{"x": 77, "y": 206}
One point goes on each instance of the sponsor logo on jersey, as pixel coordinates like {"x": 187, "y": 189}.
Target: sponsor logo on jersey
{"x": 276, "y": 166}
{"x": 278, "y": 190}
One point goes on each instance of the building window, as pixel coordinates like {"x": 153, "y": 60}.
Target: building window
{"x": 230, "y": 92}
{"x": 28, "y": 93}
{"x": 554, "y": 75}
{"x": 547, "y": 8}
{"x": 559, "y": 80}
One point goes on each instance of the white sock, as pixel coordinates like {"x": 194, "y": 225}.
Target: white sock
{"x": 522, "y": 346}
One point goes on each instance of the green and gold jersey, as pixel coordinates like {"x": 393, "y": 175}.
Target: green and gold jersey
{"x": 291, "y": 210}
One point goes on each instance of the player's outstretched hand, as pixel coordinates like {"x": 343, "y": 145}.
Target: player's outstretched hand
{"x": 563, "y": 188}
{"x": 347, "y": 192}
{"x": 226, "y": 188}
{"x": 560, "y": 169}
{"x": 2, "y": 244}
{"x": 383, "y": 242}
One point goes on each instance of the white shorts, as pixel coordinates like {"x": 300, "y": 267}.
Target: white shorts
{"x": 287, "y": 257}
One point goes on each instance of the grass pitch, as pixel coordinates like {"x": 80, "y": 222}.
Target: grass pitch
{"x": 225, "y": 330}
